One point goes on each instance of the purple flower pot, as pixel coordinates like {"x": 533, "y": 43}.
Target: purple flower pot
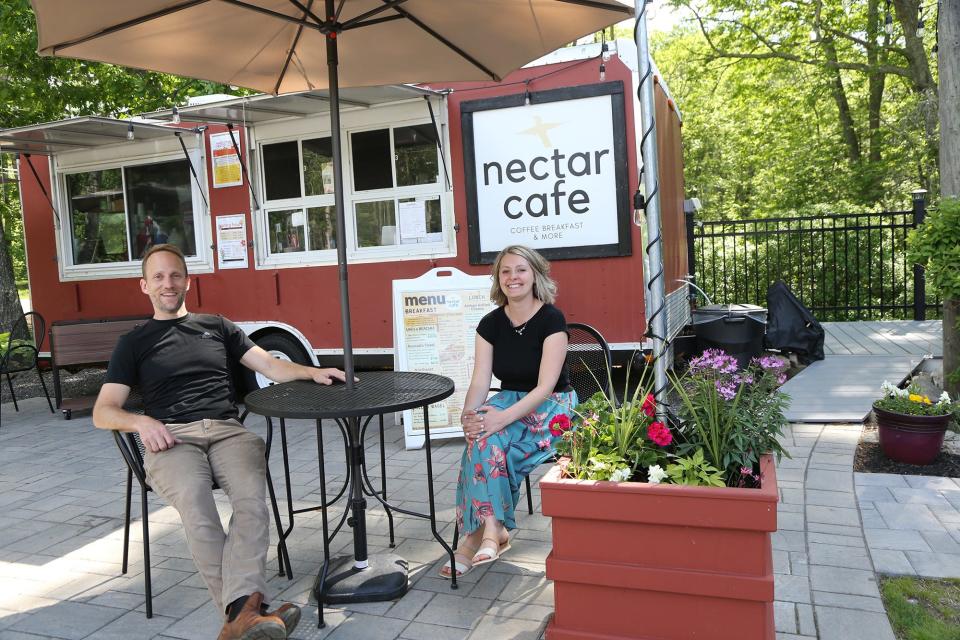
{"x": 910, "y": 439}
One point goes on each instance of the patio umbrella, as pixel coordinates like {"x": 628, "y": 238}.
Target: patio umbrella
{"x": 280, "y": 46}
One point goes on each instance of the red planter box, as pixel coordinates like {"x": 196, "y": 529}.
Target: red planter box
{"x": 663, "y": 562}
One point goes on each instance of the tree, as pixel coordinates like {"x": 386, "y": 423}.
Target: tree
{"x": 35, "y": 89}
{"x": 874, "y": 66}
{"x": 948, "y": 44}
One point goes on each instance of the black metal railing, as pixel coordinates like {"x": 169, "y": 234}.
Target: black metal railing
{"x": 842, "y": 267}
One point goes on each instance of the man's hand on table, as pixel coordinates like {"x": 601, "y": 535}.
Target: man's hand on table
{"x": 155, "y": 436}
{"x": 327, "y": 376}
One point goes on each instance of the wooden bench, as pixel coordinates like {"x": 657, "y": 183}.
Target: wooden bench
{"x": 84, "y": 342}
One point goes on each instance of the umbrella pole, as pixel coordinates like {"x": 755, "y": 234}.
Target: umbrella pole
{"x": 360, "y": 577}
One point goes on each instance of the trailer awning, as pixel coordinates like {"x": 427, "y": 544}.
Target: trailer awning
{"x": 78, "y": 133}
{"x": 265, "y": 107}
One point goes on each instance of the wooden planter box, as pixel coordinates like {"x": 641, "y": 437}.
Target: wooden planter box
{"x": 664, "y": 562}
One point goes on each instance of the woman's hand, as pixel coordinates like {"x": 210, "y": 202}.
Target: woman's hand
{"x": 481, "y": 422}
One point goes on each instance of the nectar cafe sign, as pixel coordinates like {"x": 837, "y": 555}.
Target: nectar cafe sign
{"x": 551, "y": 174}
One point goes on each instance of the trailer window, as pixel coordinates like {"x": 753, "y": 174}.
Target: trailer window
{"x": 117, "y": 214}
{"x": 97, "y": 217}
{"x": 286, "y": 176}
{"x": 414, "y": 158}
{"x": 420, "y": 221}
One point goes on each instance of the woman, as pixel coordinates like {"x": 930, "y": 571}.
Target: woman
{"x": 523, "y": 343}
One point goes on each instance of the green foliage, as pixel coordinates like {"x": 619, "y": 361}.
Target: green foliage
{"x": 695, "y": 471}
{"x": 922, "y": 608}
{"x": 912, "y": 402}
{"x": 936, "y": 245}
{"x": 609, "y": 440}
{"x": 763, "y": 132}
{"x": 733, "y": 416}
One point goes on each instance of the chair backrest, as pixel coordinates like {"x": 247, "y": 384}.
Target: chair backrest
{"x": 23, "y": 343}
{"x": 588, "y": 361}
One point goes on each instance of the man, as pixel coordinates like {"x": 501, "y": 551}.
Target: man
{"x": 181, "y": 363}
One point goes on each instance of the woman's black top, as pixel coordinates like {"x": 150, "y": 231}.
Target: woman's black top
{"x": 517, "y": 350}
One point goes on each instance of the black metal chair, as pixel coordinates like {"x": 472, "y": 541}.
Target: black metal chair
{"x": 588, "y": 363}
{"x": 22, "y": 351}
{"x": 132, "y": 450}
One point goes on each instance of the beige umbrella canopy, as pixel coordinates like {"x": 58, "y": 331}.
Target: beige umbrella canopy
{"x": 278, "y": 46}
{"x": 282, "y": 46}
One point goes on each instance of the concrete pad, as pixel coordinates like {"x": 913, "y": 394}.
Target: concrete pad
{"x": 846, "y": 624}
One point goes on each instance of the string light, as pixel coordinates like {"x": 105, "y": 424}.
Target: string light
{"x": 130, "y": 135}
{"x": 175, "y": 119}
{"x": 888, "y": 20}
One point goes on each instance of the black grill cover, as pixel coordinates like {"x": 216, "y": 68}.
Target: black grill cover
{"x": 791, "y": 326}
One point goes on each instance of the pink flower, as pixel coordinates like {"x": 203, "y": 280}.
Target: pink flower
{"x": 543, "y": 444}
{"x": 747, "y": 471}
{"x": 650, "y": 405}
{"x": 559, "y": 424}
{"x": 659, "y": 434}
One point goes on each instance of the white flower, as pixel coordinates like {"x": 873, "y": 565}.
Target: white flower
{"x": 620, "y": 475}
{"x": 944, "y": 398}
{"x": 887, "y": 388}
{"x": 655, "y": 474}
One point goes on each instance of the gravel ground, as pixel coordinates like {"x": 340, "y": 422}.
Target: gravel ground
{"x": 26, "y": 384}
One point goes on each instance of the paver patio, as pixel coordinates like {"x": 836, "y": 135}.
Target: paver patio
{"x": 61, "y": 525}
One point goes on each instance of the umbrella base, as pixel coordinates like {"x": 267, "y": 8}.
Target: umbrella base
{"x": 384, "y": 579}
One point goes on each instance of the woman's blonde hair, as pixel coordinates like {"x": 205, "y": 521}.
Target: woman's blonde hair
{"x": 544, "y": 288}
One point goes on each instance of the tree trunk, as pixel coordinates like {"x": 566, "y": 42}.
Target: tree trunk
{"x": 949, "y": 65}
{"x": 847, "y": 125}
{"x": 10, "y": 309}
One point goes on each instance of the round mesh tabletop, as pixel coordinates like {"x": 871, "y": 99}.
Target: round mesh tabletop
{"x": 377, "y": 392}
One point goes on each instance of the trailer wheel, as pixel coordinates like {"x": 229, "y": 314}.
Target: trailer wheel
{"x": 280, "y": 346}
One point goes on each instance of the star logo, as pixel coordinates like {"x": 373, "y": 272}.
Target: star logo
{"x": 540, "y": 129}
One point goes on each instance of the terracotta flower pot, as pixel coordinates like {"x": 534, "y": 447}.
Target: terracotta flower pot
{"x": 636, "y": 560}
{"x": 910, "y": 439}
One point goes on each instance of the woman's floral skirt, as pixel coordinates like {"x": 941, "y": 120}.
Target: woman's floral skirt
{"x": 493, "y": 468}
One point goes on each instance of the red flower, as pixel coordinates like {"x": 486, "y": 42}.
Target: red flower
{"x": 659, "y": 434}
{"x": 559, "y": 424}
{"x": 650, "y": 405}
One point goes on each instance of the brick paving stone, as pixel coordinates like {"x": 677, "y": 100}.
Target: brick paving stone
{"x": 454, "y": 611}
{"x": 931, "y": 482}
{"x": 869, "y": 493}
{"x": 843, "y": 541}
{"x": 829, "y": 480}
{"x": 502, "y": 627}
{"x": 785, "y": 617}
{"x": 805, "y": 620}
{"x": 790, "y": 522}
{"x": 831, "y": 498}
{"x": 781, "y": 561}
{"x": 930, "y": 497}
{"x": 843, "y": 624}
{"x": 941, "y": 542}
{"x": 879, "y": 480}
{"x": 843, "y": 601}
{"x": 847, "y": 581}
{"x": 837, "y": 556}
{"x": 788, "y": 540}
{"x": 835, "y": 529}
{"x": 891, "y": 562}
{"x": 901, "y": 540}
{"x": 71, "y": 620}
{"x": 946, "y": 516}
{"x": 915, "y": 517}
{"x": 791, "y": 588}
{"x": 421, "y": 631}
{"x": 935, "y": 565}
{"x": 834, "y": 515}
{"x": 799, "y": 564}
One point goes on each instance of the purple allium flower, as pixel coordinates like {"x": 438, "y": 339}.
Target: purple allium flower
{"x": 715, "y": 361}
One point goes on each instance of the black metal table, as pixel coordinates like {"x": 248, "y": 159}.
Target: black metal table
{"x": 360, "y": 577}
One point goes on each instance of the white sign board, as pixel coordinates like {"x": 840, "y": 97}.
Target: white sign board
{"x": 551, "y": 174}
{"x": 435, "y": 321}
{"x": 232, "y": 241}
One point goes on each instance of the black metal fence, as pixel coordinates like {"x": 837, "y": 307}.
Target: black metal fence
{"x": 842, "y": 267}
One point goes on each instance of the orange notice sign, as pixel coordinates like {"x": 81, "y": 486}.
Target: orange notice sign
{"x": 225, "y": 163}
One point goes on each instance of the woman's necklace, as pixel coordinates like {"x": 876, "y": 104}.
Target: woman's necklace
{"x": 520, "y": 328}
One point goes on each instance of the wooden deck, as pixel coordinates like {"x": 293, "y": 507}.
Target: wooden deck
{"x": 859, "y": 357}
{"x": 884, "y": 338}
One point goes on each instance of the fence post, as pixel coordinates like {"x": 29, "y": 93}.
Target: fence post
{"x": 919, "y": 275}
{"x": 691, "y": 252}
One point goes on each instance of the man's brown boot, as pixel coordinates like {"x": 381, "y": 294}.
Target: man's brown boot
{"x": 250, "y": 625}
{"x": 289, "y": 613}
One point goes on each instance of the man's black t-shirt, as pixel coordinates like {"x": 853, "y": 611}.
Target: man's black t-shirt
{"x": 183, "y": 367}
{"x": 517, "y": 350}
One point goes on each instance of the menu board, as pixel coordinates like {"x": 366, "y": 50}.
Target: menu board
{"x": 435, "y": 321}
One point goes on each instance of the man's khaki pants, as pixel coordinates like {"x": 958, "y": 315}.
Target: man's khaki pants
{"x": 232, "y": 564}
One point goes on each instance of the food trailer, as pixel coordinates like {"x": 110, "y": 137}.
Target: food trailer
{"x": 440, "y": 175}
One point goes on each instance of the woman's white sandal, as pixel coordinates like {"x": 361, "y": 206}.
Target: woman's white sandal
{"x": 492, "y": 553}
